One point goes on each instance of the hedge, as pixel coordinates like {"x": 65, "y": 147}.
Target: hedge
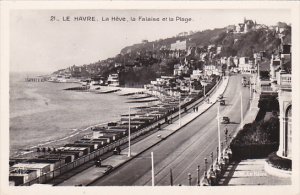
{"x": 250, "y": 151}
{"x": 278, "y": 162}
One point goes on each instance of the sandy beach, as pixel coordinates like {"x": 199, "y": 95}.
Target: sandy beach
{"x": 43, "y": 114}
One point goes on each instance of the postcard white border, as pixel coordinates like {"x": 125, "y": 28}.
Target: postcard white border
{"x": 6, "y": 6}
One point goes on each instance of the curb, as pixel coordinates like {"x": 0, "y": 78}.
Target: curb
{"x": 276, "y": 172}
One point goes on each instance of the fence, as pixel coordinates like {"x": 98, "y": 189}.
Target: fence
{"x": 91, "y": 156}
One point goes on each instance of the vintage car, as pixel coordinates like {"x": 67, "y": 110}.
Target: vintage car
{"x": 222, "y": 102}
{"x": 225, "y": 120}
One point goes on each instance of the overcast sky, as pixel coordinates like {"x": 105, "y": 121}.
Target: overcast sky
{"x": 38, "y": 44}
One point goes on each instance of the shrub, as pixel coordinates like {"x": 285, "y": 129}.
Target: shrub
{"x": 256, "y": 140}
{"x": 278, "y": 162}
{"x": 268, "y": 103}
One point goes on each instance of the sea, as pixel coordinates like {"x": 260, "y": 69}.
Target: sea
{"x": 43, "y": 113}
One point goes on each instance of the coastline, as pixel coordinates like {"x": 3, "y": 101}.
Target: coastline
{"x": 43, "y": 105}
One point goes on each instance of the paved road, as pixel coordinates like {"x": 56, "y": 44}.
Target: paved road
{"x": 185, "y": 149}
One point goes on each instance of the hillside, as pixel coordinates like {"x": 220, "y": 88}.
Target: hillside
{"x": 140, "y": 63}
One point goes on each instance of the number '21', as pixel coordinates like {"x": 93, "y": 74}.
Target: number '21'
{"x": 52, "y": 18}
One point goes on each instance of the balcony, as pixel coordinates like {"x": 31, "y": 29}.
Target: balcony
{"x": 285, "y": 81}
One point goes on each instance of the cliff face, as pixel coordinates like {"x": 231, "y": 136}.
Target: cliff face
{"x": 139, "y": 63}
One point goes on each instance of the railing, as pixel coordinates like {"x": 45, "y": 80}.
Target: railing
{"x": 97, "y": 153}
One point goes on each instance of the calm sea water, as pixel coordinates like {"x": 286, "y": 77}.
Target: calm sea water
{"x": 43, "y": 112}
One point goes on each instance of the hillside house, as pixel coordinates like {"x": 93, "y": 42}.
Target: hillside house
{"x": 113, "y": 80}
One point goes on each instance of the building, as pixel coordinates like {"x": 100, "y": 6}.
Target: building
{"x": 282, "y": 84}
{"x": 20, "y": 176}
{"x": 179, "y": 45}
{"x": 212, "y": 69}
{"x": 245, "y": 27}
{"x": 196, "y": 75}
{"x": 246, "y": 65}
{"x": 113, "y": 80}
{"x": 219, "y": 49}
{"x": 41, "y": 168}
{"x": 180, "y": 69}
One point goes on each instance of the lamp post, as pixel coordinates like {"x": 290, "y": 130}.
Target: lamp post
{"x": 219, "y": 132}
{"x": 171, "y": 177}
{"x": 217, "y": 154}
{"x": 204, "y": 85}
{"x": 152, "y": 165}
{"x": 226, "y": 133}
{"x": 190, "y": 179}
{"x": 179, "y": 109}
{"x": 198, "y": 175}
{"x": 221, "y": 148}
{"x": 250, "y": 88}
{"x": 129, "y": 138}
{"x": 242, "y": 117}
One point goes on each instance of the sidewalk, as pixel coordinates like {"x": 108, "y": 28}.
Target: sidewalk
{"x": 250, "y": 172}
{"x": 91, "y": 174}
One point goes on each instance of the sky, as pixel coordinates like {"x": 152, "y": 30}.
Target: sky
{"x": 41, "y": 45}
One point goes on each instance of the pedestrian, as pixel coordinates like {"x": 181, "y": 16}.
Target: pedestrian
{"x": 226, "y": 131}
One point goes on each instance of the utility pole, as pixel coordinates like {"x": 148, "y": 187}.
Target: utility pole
{"x": 179, "y": 109}
{"x": 190, "y": 179}
{"x": 129, "y": 138}
{"x": 171, "y": 177}
{"x": 198, "y": 175}
{"x": 250, "y": 88}
{"x": 152, "y": 164}
{"x": 242, "y": 117}
{"x": 219, "y": 132}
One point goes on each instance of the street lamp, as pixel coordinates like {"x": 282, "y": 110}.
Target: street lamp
{"x": 129, "y": 138}
{"x": 171, "y": 177}
{"x": 226, "y": 133}
{"x": 152, "y": 165}
{"x": 203, "y": 83}
{"x": 190, "y": 179}
{"x": 242, "y": 117}
{"x": 250, "y": 88}
{"x": 205, "y": 181}
{"x": 179, "y": 109}
{"x": 219, "y": 132}
{"x": 198, "y": 175}
{"x": 217, "y": 154}
{"x": 205, "y": 162}
{"x": 221, "y": 147}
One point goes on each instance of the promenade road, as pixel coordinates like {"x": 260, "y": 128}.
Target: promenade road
{"x": 89, "y": 175}
{"x": 184, "y": 149}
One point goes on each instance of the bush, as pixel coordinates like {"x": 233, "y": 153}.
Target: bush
{"x": 250, "y": 151}
{"x": 278, "y": 162}
{"x": 256, "y": 140}
{"x": 268, "y": 103}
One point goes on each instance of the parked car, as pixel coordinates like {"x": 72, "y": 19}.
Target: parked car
{"x": 225, "y": 120}
{"x": 222, "y": 102}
